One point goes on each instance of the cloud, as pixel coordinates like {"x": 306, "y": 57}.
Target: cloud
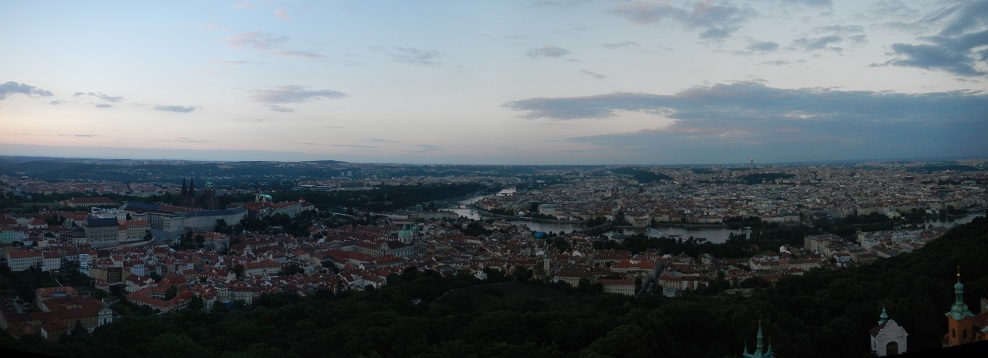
{"x": 818, "y": 43}
{"x": 714, "y": 21}
{"x": 378, "y": 140}
{"x": 414, "y": 56}
{"x": 762, "y": 47}
{"x": 281, "y": 13}
{"x": 258, "y": 120}
{"x": 187, "y": 140}
{"x": 11, "y": 87}
{"x": 297, "y": 53}
{"x": 238, "y": 62}
{"x": 829, "y": 37}
{"x": 775, "y": 63}
{"x": 56, "y": 102}
{"x": 353, "y": 146}
{"x": 244, "y": 5}
{"x": 959, "y": 48}
{"x": 820, "y": 3}
{"x": 257, "y": 40}
{"x": 807, "y": 123}
{"x": 621, "y": 44}
{"x": 267, "y": 42}
{"x": 79, "y": 135}
{"x": 548, "y": 51}
{"x": 178, "y": 109}
{"x": 277, "y": 108}
{"x": 425, "y": 148}
{"x": 98, "y": 96}
{"x": 103, "y": 105}
{"x": 293, "y": 94}
{"x": 595, "y": 75}
{"x": 841, "y": 29}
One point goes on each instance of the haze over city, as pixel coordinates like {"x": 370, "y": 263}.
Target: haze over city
{"x": 495, "y": 82}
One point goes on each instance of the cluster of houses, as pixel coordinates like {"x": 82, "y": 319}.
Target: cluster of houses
{"x": 60, "y": 311}
{"x": 713, "y": 196}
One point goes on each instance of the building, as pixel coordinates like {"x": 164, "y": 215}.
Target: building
{"x": 89, "y": 202}
{"x": 77, "y": 310}
{"x": 963, "y": 326}
{"x": 760, "y": 350}
{"x": 207, "y": 200}
{"x": 172, "y": 218}
{"x": 625, "y": 286}
{"x": 888, "y": 338}
{"x": 102, "y": 232}
{"x": 20, "y": 260}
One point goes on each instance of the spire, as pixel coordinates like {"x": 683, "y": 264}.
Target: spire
{"x": 959, "y": 309}
{"x": 760, "y": 350}
{"x": 760, "y": 337}
{"x": 185, "y": 189}
{"x": 883, "y": 318}
{"x": 958, "y": 288}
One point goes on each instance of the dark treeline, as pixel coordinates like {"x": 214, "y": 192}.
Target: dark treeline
{"x": 422, "y": 314}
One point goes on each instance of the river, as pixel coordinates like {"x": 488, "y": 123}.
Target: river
{"x": 713, "y": 234}
{"x": 716, "y": 234}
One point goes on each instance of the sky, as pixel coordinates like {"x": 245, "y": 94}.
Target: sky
{"x": 495, "y": 82}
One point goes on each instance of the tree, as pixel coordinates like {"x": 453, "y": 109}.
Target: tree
{"x": 222, "y": 227}
{"x": 629, "y": 340}
{"x": 176, "y": 345}
{"x": 171, "y": 292}
{"x": 291, "y": 269}
{"x": 238, "y": 269}
{"x": 196, "y": 304}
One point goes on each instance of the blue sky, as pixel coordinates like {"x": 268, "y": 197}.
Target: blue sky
{"x": 495, "y": 82}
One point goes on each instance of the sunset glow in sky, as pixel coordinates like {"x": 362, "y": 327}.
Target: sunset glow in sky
{"x": 495, "y": 82}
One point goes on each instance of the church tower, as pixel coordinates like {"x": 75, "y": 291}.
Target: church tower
{"x": 760, "y": 350}
{"x": 192, "y": 191}
{"x": 959, "y": 319}
{"x": 209, "y": 201}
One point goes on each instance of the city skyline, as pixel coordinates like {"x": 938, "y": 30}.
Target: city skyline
{"x": 521, "y": 82}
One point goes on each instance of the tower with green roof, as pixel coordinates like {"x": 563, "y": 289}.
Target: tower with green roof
{"x": 959, "y": 318}
{"x": 760, "y": 350}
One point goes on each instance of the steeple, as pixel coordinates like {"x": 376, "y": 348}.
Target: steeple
{"x": 960, "y": 329}
{"x": 185, "y": 189}
{"x": 760, "y": 337}
{"x": 959, "y": 309}
{"x": 884, "y": 317}
{"x": 760, "y": 351}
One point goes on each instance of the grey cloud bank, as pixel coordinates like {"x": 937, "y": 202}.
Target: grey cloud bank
{"x": 959, "y": 48}
{"x": 749, "y": 118}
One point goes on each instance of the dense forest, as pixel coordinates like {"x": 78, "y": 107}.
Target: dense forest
{"x": 423, "y": 314}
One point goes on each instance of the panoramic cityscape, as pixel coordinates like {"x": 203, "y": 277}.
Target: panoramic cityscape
{"x": 91, "y": 245}
{"x": 690, "y": 178}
